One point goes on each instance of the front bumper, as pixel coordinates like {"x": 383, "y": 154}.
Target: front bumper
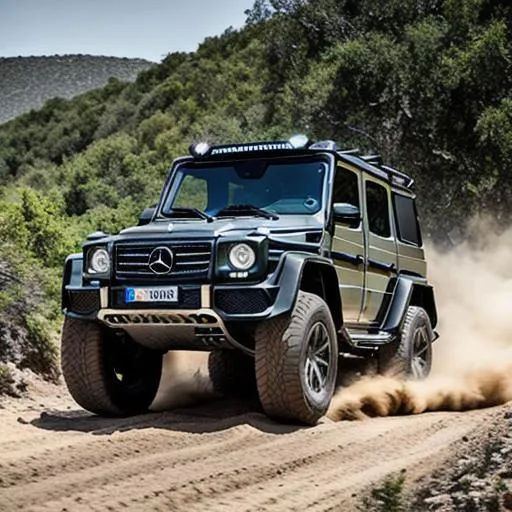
{"x": 176, "y": 329}
{"x": 196, "y": 322}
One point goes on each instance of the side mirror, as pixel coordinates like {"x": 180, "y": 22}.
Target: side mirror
{"x": 348, "y": 214}
{"x": 146, "y": 216}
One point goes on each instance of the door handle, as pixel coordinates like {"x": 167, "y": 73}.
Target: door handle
{"x": 379, "y": 265}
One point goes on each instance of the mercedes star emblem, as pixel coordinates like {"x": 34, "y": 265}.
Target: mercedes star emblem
{"x": 160, "y": 260}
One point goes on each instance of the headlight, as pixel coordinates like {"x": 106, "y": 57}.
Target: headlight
{"x": 242, "y": 257}
{"x": 99, "y": 262}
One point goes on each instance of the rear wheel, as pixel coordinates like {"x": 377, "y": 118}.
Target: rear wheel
{"x": 297, "y": 361}
{"x": 412, "y": 355}
{"x": 106, "y": 371}
{"x": 232, "y": 373}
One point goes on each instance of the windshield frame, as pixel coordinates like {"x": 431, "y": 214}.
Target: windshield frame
{"x": 173, "y": 182}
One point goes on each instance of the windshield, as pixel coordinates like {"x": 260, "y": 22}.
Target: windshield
{"x": 231, "y": 189}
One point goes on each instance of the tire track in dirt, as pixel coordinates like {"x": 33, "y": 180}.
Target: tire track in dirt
{"x": 338, "y": 469}
{"x": 132, "y": 453}
{"x": 220, "y": 456}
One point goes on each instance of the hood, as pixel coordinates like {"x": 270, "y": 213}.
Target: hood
{"x": 289, "y": 227}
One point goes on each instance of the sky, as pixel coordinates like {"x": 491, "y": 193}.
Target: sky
{"x": 148, "y": 29}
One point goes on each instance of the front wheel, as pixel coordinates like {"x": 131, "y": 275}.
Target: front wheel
{"x": 297, "y": 361}
{"x": 106, "y": 372}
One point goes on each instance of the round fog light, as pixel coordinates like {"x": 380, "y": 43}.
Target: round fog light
{"x": 242, "y": 256}
{"x": 99, "y": 262}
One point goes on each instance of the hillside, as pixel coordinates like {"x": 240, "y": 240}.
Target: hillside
{"x": 426, "y": 84}
{"x": 27, "y": 82}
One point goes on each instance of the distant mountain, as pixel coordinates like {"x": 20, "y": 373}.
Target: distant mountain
{"x": 27, "y": 82}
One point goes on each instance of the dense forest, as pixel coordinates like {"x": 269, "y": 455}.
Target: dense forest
{"x": 425, "y": 83}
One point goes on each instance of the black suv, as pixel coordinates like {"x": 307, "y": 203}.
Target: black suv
{"x": 277, "y": 257}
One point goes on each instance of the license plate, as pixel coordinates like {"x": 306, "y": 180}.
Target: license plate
{"x": 156, "y": 294}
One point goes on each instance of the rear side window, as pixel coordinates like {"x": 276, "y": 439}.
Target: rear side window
{"x": 407, "y": 220}
{"x": 378, "y": 209}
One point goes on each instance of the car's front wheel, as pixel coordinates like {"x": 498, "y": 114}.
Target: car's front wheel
{"x": 297, "y": 361}
{"x": 106, "y": 371}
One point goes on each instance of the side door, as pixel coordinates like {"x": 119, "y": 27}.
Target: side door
{"x": 381, "y": 251}
{"x": 348, "y": 245}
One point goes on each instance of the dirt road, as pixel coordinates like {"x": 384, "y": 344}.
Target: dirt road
{"x": 226, "y": 456}
{"x": 216, "y": 456}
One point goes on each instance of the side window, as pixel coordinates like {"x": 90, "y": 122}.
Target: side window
{"x": 346, "y": 189}
{"x": 407, "y": 220}
{"x": 378, "y": 209}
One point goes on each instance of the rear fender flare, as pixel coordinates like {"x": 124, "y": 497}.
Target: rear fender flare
{"x": 409, "y": 291}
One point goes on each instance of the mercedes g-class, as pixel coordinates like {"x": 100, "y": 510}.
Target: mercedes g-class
{"x": 276, "y": 257}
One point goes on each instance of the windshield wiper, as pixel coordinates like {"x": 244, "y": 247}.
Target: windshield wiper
{"x": 245, "y": 209}
{"x": 180, "y": 212}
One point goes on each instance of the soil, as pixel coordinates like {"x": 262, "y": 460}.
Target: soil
{"x": 216, "y": 455}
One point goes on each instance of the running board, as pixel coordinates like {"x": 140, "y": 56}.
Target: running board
{"x": 366, "y": 340}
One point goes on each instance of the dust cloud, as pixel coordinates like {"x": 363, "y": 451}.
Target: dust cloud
{"x": 472, "y": 365}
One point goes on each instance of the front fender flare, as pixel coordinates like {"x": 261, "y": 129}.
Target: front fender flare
{"x": 288, "y": 279}
{"x": 73, "y": 269}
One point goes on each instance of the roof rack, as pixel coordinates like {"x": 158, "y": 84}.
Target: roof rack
{"x": 372, "y": 159}
{"x": 324, "y": 144}
{"x": 353, "y": 151}
{"x": 400, "y": 178}
{"x": 393, "y": 176}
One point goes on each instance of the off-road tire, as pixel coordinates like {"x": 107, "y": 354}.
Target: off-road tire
{"x": 232, "y": 374}
{"x": 282, "y": 356}
{"x": 92, "y": 357}
{"x": 398, "y": 359}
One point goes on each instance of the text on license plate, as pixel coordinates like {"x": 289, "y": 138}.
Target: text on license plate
{"x": 160, "y": 294}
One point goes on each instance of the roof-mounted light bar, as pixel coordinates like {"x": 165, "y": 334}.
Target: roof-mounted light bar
{"x": 203, "y": 149}
{"x": 199, "y": 149}
{"x": 300, "y": 141}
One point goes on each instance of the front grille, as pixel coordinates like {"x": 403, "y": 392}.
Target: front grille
{"x": 84, "y": 302}
{"x": 191, "y": 260}
{"x": 249, "y": 301}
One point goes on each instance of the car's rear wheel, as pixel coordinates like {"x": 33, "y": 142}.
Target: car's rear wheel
{"x": 232, "y": 373}
{"x": 411, "y": 356}
{"x": 297, "y": 361}
{"x": 106, "y": 371}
